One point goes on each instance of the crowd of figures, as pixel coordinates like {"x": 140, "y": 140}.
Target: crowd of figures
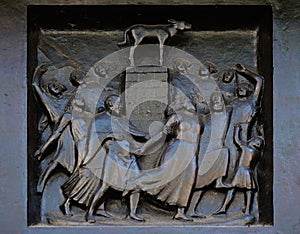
{"x": 206, "y": 143}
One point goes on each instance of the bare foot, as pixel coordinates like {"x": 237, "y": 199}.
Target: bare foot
{"x": 219, "y": 212}
{"x": 182, "y": 216}
{"x": 89, "y": 217}
{"x": 133, "y": 216}
{"x": 103, "y": 213}
{"x": 195, "y": 214}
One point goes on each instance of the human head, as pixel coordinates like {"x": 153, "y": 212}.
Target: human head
{"x": 112, "y": 104}
{"x": 102, "y": 70}
{"x": 77, "y": 77}
{"x": 217, "y": 102}
{"x": 183, "y": 103}
{"x": 206, "y": 69}
{"x": 228, "y": 75}
{"x": 181, "y": 65}
{"x": 244, "y": 90}
{"x": 77, "y": 104}
{"x": 56, "y": 88}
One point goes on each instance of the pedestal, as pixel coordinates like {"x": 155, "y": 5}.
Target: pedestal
{"x": 146, "y": 96}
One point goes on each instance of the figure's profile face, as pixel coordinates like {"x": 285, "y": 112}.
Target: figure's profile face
{"x": 115, "y": 108}
{"x": 56, "y": 88}
{"x": 181, "y": 65}
{"x": 204, "y": 73}
{"x": 101, "y": 70}
{"x": 243, "y": 90}
{"x": 217, "y": 102}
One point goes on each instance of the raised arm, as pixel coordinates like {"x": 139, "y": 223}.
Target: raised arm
{"x": 254, "y": 76}
{"x": 38, "y": 73}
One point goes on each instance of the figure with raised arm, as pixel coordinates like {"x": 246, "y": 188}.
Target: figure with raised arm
{"x": 245, "y": 109}
{"x": 54, "y": 91}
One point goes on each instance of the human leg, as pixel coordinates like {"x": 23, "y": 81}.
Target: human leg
{"x": 134, "y": 200}
{"x": 180, "y": 215}
{"x": 101, "y": 211}
{"x": 249, "y": 195}
{"x": 66, "y": 207}
{"x": 93, "y": 205}
{"x": 226, "y": 202}
{"x": 196, "y": 198}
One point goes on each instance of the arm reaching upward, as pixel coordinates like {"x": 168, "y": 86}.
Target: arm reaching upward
{"x": 254, "y": 76}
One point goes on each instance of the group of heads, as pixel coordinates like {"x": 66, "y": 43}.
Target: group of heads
{"x": 57, "y": 89}
{"x": 244, "y": 89}
{"x": 207, "y": 69}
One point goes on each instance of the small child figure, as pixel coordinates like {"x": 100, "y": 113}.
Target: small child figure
{"x": 244, "y": 178}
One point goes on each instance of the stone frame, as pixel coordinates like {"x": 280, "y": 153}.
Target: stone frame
{"x": 261, "y": 25}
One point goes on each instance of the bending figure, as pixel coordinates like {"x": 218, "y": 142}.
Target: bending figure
{"x": 119, "y": 164}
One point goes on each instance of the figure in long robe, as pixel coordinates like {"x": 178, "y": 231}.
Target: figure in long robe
{"x": 172, "y": 181}
{"x": 54, "y": 99}
{"x": 108, "y": 163}
{"x": 214, "y": 155}
{"x": 245, "y": 110}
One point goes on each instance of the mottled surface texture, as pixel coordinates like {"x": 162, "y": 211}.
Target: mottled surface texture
{"x": 13, "y": 111}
